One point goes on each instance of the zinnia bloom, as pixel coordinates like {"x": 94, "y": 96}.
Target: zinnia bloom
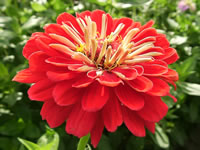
{"x": 94, "y": 71}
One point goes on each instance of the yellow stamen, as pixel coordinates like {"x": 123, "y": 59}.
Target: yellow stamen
{"x": 80, "y": 48}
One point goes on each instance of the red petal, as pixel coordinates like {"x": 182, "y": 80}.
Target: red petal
{"x": 140, "y": 69}
{"x": 126, "y": 21}
{"x": 172, "y": 59}
{"x": 154, "y": 69}
{"x": 168, "y": 52}
{"x": 150, "y": 126}
{"x": 174, "y": 98}
{"x": 112, "y": 115}
{"x": 109, "y": 79}
{"x": 54, "y": 114}
{"x": 68, "y": 18}
{"x": 43, "y": 42}
{"x": 154, "y": 109}
{"x": 80, "y": 122}
{"x": 109, "y": 24}
{"x": 83, "y": 81}
{"x": 80, "y": 67}
{"x": 26, "y": 76}
{"x": 129, "y": 97}
{"x": 125, "y": 73}
{"x": 60, "y": 61}
{"x": 141, "y": 84}
{"x": 160, "y": 87}
{"x": 155, "y": 49}
{"x": 57, "y": 29}
{"x": 97, "y": 17}
{"x": 64, "y": 94}
{"x": 147, "y": 25}
{"x": 145, "y": 40}
{"x": 161, "y": 41}
{"x": 171, "y": 75}
{"x": 133, "y": 122}
{"x": 96, "y": 132}
{"x": 30, "y": 47}
{"x": 83, "y": 14}
{"x": 37, "y": 62}
{"x": 145, "y": 33}
{"x": 41, "y": 90}
{"x": 95, "y": 97}
{"x": 60, "y": 76}
{"x": 92, "y": 74}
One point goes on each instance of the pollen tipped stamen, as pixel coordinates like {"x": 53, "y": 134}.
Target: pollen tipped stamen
{"x": 140, "y": 50}
{"x": 129, "y": 36}
{"x": 116, "y": 56}
{"x": 94, "y": 30}
{"x": 81, "y": 57}
{"x": 87, "y": 40}
{"x": 103, "y": 26}
{"x": 62, "y": 48}
{"x": 89, "y": 25}
{"x": 80, "y": 24}
{"x": 108, "y": 55}
{"x": 138, "y": 60}
{"x": 122, "y": 58}
{"x": 72, "y": 33}
{"x": 102, "y": 53}
{"x": 129, "y": 45}
{"x": 94, "y": 49}
{"x": 152, "y": 54}
{"x": 63, "y": 40}
{"x": 114, "y": 34}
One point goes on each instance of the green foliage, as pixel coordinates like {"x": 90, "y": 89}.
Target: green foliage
{"x": 48, "y": 141}
{"x": 21, "y": 126}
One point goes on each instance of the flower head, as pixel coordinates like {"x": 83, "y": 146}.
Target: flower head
{"x": 93, "y": 71}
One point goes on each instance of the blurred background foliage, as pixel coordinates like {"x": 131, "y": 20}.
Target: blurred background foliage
{"x": 21, "y": 126}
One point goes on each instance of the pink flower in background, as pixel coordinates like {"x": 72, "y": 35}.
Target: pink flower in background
{"x": 184, "y": 5}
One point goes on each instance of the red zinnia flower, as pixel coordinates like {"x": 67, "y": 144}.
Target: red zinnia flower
{"x": 94, "y": 71}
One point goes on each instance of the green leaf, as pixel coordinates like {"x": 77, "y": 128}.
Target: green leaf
{"x": 178, "y": 40}
{"x": 49, "y": 141}
{"x": 4, "y": 72}
{"x": 29, "y": 145}
{"x": 7, "y": 35}
{"x": 38, "y": 7}
{"x": 104, "y": 143}
{"x": 136, "y": 143}
{"x": 186, "y": 68}
{"x": 190, "y": 88}
{"x": 83, "y": 142}
{"x": 32, "y": 22}
{"x": 161, "y": 138}
{"x": 5, "y": 19}
{"x": 172, "y": 23}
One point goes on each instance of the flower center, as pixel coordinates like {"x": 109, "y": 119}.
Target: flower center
{"x": 104, "y": 51}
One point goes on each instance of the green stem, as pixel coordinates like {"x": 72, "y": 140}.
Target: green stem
{"x": 83, "y": 142}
